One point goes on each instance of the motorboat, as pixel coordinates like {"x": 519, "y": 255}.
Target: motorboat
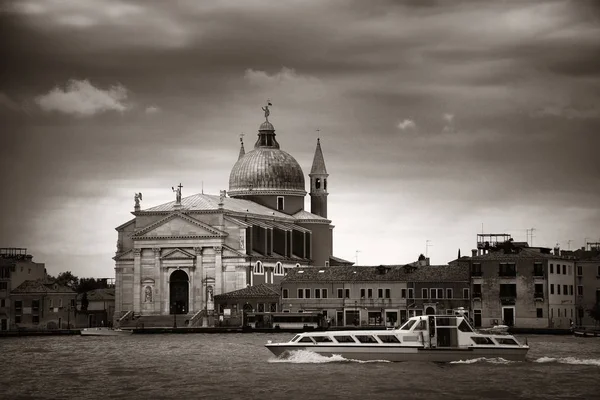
{"x": 105, "y": 331}
{"x": 433, "y": 338}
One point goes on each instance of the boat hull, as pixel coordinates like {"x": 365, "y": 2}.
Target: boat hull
{"x": 104, "y": 332}
{"x": 404, "y": 353}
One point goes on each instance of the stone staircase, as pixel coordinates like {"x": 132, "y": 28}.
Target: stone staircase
{"x": 157, "y": 321}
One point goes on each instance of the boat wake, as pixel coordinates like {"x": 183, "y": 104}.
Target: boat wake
{"x": 569, "y": 360}
{"x": 495, "y": 360}
{"x": 309, "y": 357}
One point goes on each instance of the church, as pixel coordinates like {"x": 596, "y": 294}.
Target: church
{"x": 175, "y": 257}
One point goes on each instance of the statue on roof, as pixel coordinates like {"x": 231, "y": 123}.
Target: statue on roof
{"x": 177, "y": 193}
{"x": 266, "y": 110}
{"x": 137, "y": 197}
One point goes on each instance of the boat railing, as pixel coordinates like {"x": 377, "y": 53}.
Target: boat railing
{"x": 125, "y": 316}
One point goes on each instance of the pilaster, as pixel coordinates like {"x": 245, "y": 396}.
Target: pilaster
{"x": 157, "y": 297}
{"x": 199, "y": 280}
{"x": 218, "y": 269}
{"x": 137, "y": 269}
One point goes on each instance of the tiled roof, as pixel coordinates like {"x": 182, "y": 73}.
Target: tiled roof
{"x": 99, "y": 295}
{"x": 340, "y": 260}
{"x": 305, "y": 215}
{"x": 260, "y": 290}
{"x": 41, "y": 287}
{"x": 522, "y": 254}
{"x": 430, "y": 273}
{"x": 208, "y": 202}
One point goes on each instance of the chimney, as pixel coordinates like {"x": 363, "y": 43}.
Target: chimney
{"x": 557, "y": 251}
{"x": 473, "y": 252}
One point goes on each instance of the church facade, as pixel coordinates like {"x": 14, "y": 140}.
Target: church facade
{"x": 175, "y": 257}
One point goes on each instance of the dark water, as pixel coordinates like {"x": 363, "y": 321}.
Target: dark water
{"x": 238, "y": 366}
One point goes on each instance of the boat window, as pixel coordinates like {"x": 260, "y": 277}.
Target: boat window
{"x": 506, "y": 341}
{"x": 366, "y": 339}
{"x": 344, "y": 339}
{"x": 421, "y": 326}
{"x": 295, "y": 338}
{"x": 305, "y": 339}
{"x": 445, "y": 321}
{"x": 464, "y": 327}
{"x": 388, "y": 338}
{"x": 321, "y": 339}
{"x": 482, "y": 340}
{"x": 408, "y": 325}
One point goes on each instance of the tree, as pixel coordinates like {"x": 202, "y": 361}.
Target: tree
{"x": 68, "y": 279}
{"x": 87, "y": 284}
{"x": 84, "y": 302}
{"x": 594, "y": 312}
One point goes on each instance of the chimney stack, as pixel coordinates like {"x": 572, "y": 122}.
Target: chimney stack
{"x": 473, "y": 252}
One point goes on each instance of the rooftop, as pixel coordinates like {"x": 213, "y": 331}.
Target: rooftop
{"x": 38, "y": 286}
{"x": 261, "y": 290}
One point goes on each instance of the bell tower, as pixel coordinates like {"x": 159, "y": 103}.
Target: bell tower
{"x": 318, "y": 184}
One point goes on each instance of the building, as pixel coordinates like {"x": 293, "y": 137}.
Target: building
{"x": 383, "y": 295}
{"x": 175, "y": 257}
{"x": 521, "y": 286}
{"x": 264, "y": 297}
{"x": 38, "y": 305}
{"x": 16, "y": 266}
{"x": 587, "y": 282}
{"x": 100, "y": 306}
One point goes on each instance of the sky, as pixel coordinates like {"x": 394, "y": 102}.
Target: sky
{"x": 438, "y": 120}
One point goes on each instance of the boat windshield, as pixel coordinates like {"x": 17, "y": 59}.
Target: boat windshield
{"x": 295, "y": 338}
{"x": 408, "y": 325}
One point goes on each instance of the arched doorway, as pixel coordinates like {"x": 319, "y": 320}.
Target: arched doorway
{"x": 179, "y": 289}
{"x": 430, "y": 311}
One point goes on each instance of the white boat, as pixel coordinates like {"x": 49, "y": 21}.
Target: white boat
{"x": 434, "y": 338}
{"x": 104, "y": 331}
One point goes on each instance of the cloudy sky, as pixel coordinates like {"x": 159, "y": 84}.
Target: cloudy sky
{"x": 435, "y": 117}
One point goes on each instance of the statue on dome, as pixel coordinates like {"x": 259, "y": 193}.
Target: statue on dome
{"x": 266, "y": 110}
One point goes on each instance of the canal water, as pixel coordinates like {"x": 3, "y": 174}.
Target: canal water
{"x": 238, "y": 366}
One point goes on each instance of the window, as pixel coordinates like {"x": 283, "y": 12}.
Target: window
{"x": 261, "y": 307}
{"x": 3, "y": 285}
{"x": 507, "y": 269}
{"x": 579, "y": 270}
{"x": 285, "y": 294}
{"x": 411, "y": 293}
{"x": 402, "y": 293}
{"x": 388, "y": 293}
{"x": 380, "y": 293}
{"x": 322, "y": 339}
{"x": 307, "y": 293}
{"x": 305, "y": 339}
{"x": 35, "y": 306}
{"x": 449, "y": 293}
{"x": 552, "y": 288}
{"x": 72, "y": 303}
{"x": 18, "y": 317}
{"x": 370, "y": 293}
{"x": 433, "y": 294}
{"x": 579, "y": 290}
{"x": 388, "y": 338}
{"x": 325, "y": 184}
{"x": 464, "y": 326}
{"x": 481, "y": 340}
{"x": 564, "y": 269}
{"x": 565, "y": 289}
{"x": 539, "y": 290}
{"x": 476, "y": 269}
{"x": 347, "y": 293}
{"x": 465, "y": 293}
{"x": 50, "y": 304}
{"x": 318, "y": 183}
{"x": 570, "y": 290}
{"x": 279, "y": 203}
{"x": 18, "y": 306}
{"x": 539, "y": 312}
{"x": 317, "y": 293}
{"x": 278, "y": 269}
{"x": 258, "y": 268}
{"x": 551, "y": 268}
{"x": 300, "y": 293}
{"x": 598, "y": 271}
{"x": 366, "y": 339}
{"x": 421, "y": 326}
{"x": 440, "y": 293}
{"x": 344, "y": 339}
{"x": 570, "y": 269}
{"x": 324, "y": 293}
{"x": 35, "y": 319}
{"x": 538, "y": 268}
{"x": 424, "y": 293}
{"x": 2, "y": 303}
{"x": 558, "y": 312}
{"x": 477, "y": 290}
{"x": 557, "y": 269}
{"x": 508, "y": 290}
{"x": 273, "y": 307}
{"x": 340, "y": 293}
{"x": 508, "y": 341}
{"x": 362, "y": 293}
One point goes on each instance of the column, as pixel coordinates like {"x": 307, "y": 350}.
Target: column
{"x": 199, "y": 281}
{"x": 165, "y": 290}
{"x": 157, "y": 299}
{"x": 218, "y": 270}
{"x": 137, "y": 269}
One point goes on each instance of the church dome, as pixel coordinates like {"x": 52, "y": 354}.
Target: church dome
{"x": 267, "y": 169}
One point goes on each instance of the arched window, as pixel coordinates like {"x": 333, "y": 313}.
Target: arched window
{"x": 318, "y": 183}
{"x": 278, "y": 269}
{"x": 325, "y": 184}
{"x": 258, "y": 268}
{"x": 298, "y": 265}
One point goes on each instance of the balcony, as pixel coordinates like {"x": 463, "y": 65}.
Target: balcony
{"x": 476, "y": 296}
{"x": 508, "y": 300}
{"x": 538, "y": 297}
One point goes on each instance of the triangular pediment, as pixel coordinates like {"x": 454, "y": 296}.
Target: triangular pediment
{"x": 178, "y": 225}
{"x": 124, "y": 256}
{"x": 177, "y": 254}
{"x": 231, "y": 252}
